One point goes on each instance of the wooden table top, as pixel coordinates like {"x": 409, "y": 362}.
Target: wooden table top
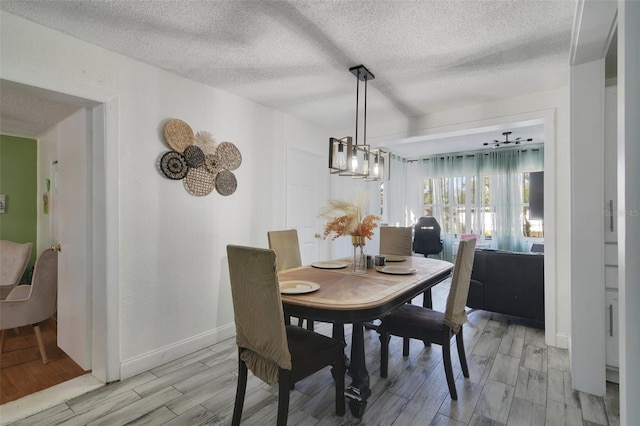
{"x": 341, "y": 290}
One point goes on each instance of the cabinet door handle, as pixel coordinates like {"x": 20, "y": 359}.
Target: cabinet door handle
{"x": 610, "y": 320}
{"x": 611, "y": 215}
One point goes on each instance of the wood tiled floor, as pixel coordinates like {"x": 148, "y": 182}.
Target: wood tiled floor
{"x": 515, "y": 380}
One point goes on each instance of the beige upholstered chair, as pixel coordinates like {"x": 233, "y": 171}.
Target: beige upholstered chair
{"x": 14, "y": 258}
{"x": 32, "y": 304}
{"x": 287, "y": 248}
{"x": 415, "y": 322}
{"x": 396, "y": 240}
{"x": 273, "y": 352}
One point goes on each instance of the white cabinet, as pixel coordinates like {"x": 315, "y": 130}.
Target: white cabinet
{"x": 612, "y": 338}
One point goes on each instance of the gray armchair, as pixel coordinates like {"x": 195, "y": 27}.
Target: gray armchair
{"x": 32, "y": 304}
{"x": 14, "y": 258}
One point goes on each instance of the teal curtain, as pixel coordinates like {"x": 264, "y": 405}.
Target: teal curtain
{"x": 396, "y": 193}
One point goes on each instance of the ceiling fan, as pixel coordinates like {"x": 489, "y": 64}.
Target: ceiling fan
{"x": 506, "y": 141}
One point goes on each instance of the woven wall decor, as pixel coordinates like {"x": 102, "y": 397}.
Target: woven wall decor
{"x": 173, "y": 165}
{"x": 178, "y": 134}
{"x": 226, "y": 182}
{"x": 203, "y": 164}
{"x": 199, "y": 181}
{"x": 194, "y": 156}
{"x": 229, "y": 156}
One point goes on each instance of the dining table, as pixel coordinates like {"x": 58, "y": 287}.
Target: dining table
{"x": 329, "y": 292}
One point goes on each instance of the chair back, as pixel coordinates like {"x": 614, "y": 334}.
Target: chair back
{"x": 426, "y": 236}
{"x": 258, "y": 312}
{"x": 455, "y": 314}
{"x": 287, "y": 248}
{"x": 31, "y": 304}
{"x": 14, "y": 258}
{"x": 396, "y": 240}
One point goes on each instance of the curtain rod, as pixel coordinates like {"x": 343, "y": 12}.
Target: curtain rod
{"x": 469, "y": 155}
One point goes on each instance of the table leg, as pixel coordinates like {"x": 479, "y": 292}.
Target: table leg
{"x": 358, "y": 391}
{"x": 426, "y": 299}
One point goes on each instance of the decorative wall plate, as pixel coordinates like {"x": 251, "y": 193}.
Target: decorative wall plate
{"x": 212, "y": 164}
{"x": 199, "y": 181}
{"x": 229, "y": 156}
{"x": 173, "y": 165}
{"x": 205, "y": 141}
{"x": 178, "y": 134}
{"x": 226, "y": 182}
{"x": 194, "y": 156}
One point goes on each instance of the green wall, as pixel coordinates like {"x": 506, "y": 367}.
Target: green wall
{"x": 18, "y": 183}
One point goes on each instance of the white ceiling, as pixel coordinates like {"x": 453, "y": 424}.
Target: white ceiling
{"x": 294, "y": 56}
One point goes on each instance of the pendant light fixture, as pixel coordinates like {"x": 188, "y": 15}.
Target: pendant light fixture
{"x": 348, "y": 157}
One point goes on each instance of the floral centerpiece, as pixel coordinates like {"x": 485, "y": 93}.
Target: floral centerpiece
{"x": 349, "y": 218}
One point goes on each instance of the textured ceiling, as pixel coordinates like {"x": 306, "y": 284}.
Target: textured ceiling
{"x": 294, "y": 56}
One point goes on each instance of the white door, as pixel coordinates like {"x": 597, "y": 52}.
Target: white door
{"x": 307, "y": 189}
{"x": 72, "y": 204}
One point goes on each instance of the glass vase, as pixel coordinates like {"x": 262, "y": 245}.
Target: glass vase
{"x": 359, "y": 265}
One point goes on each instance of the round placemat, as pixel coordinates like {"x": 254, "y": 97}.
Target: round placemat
{"x": 206, "y": 142}
{"x": 173, "y": 165}
{"x": 194, "y": 156}
{"x": 212, "y": 164}
{"x": 178, "y": 134}
{"x": 199, "y": 181}
{"x": 229, "y": 155}
{"x": 226, "y": 182}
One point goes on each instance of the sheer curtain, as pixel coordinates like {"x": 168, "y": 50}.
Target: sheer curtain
{"x": 396, "y": 193}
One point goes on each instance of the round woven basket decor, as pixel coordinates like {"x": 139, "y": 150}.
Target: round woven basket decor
{"x": 229, "y": 156}
{"x": 205, "y": 141}
{"x": 173, "y": 165}
{"x": 178, "y": 134}
{"x": 226, "y": 183}
{"x": 199, "y": 181}
{"x": 194, "y": 156}
{"x": 212, "y": 164}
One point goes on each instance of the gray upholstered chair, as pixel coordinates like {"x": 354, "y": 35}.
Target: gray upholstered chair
{"x": 396, "y": 240}
{"x": 273, "y": 352}
{"x": 32, "y": 304}
{"x": 416, "y": 322}
{"x": 14, "y": 258}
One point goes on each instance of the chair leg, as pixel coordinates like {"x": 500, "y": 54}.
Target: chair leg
{"x": 448, "y": 369}
{"x": 240, "y": 391}
{"x": 384, "y": 353}
{"x": 405, "y": 346}
{"x": 461, "y": 354}
{"x": 310, "y": 325}
{"x": 284, "y": 387}
{"x": 338, "y": 373}
{"x": 3, "y": 340}
{"x": 43, "y": 351}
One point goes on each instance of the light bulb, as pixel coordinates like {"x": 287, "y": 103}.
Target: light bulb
{"x": 354, "y": 163}
{"x": 365, "y": 168}
{"x": 342, "y": 157}
{"x": 376, "y": 169}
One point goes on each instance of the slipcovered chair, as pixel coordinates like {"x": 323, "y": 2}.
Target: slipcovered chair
{"x": 426, "y": 236}
{"x": 415, "y": 322}
{"x": 396, "y": 240}
{"x": 14, "y": 258}
{"x": 287, "y": 248}
{"x": 32, "y": 304}
{"x": 274, "y": 353}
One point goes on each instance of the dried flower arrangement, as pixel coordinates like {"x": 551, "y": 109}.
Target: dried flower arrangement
{"x": 346, "y": 218}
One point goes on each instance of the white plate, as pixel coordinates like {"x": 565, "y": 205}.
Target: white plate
{"x": 330, "y": 264}
{"x": 395, "y": 270}
{"x": 298, "y": 287}
{"x": 394, "y": 258}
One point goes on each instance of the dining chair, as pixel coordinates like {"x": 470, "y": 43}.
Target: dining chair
{"x": 287, "y": 247}
{"x": 32, "y": 304}
{"x": 274, "y": 352}
{"x": 416, "y": 322}
{"x": 396, "y": 240}
{"x": 14, "y": 258}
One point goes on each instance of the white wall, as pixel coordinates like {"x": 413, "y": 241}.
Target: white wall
{"x": 172, "y": 278}
{"x": 587, "y": 233}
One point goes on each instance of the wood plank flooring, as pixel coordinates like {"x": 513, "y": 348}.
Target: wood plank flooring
{"x": 515, "y": 379}
{"x": 21, "y": 369}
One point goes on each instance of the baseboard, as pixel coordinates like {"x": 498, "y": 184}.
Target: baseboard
{"x": 562, "y": 341}
{"x": 145, "y": 362}
{"x": 613, "y": 374}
